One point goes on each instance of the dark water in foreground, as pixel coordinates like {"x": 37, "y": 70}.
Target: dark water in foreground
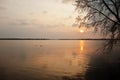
{"x": 57, "y": 60}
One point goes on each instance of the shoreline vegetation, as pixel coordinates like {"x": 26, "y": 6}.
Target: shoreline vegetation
{"x": 52, "y": 39}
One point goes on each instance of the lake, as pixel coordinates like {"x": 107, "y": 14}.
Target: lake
{"x": 57, "y": 60}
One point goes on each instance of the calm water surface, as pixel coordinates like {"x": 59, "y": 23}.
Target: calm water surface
{"x": 57, "y": 60}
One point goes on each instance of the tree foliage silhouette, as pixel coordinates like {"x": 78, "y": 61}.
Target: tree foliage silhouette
{"x": 100, "y": 14}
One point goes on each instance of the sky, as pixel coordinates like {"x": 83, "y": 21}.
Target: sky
{"x": 40, "y": 19}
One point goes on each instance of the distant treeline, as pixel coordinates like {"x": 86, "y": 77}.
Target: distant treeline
{"x": 52, "y": 39}
{"x": 24, "y": 39}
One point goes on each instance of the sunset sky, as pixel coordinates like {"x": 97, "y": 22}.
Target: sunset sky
{"x": 40, "y": 19}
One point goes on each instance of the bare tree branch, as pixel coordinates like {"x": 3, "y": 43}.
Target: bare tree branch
{"x": 104, "y": 15}
{"x": 110, "y": 9}
{"x": 115, "y": 7}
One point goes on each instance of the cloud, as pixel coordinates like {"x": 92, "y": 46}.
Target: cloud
{"x": 74, "y": 25}
{"x": 2, "y": 8}
{"x": 45, "y": 12}
{"x": 68, "y": 18}
{"x": 67, "y": 1}
{"x": 19, "y": 22}
{"x": 4, "y": 17}
{"x": 2, "y": 4}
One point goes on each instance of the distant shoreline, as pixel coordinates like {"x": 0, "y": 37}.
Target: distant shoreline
{"x": 50, "y": 39}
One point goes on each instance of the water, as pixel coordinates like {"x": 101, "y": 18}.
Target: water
{"x": 57, "y": 60}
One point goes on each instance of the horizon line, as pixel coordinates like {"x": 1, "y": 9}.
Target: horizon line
{"x": 56, "y": 39}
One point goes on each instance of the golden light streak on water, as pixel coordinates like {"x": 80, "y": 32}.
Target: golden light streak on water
{"x": 81, "y": 46}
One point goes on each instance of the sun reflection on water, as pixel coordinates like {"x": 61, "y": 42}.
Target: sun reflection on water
{"x": 81, "y": 45}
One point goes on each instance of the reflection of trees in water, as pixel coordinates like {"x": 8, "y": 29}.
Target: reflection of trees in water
{"x": 108, "y": 46}
{"x": 76, "y": 77}
{"x": 103, "y": 69}
{"x": 2, "y": 73}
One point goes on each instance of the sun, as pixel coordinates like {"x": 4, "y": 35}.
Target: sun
{"x": 81, "y": 30}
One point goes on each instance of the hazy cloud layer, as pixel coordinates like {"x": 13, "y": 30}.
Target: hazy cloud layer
{"x": 38, "y": 18}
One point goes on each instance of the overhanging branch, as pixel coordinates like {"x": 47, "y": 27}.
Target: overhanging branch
{"x": 110, "y": 10}
{"x": 103, "y": 14}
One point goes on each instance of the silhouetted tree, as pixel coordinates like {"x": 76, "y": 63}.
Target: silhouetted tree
{"x": 103, "y": 14}
{"x": 100, "y": 14}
